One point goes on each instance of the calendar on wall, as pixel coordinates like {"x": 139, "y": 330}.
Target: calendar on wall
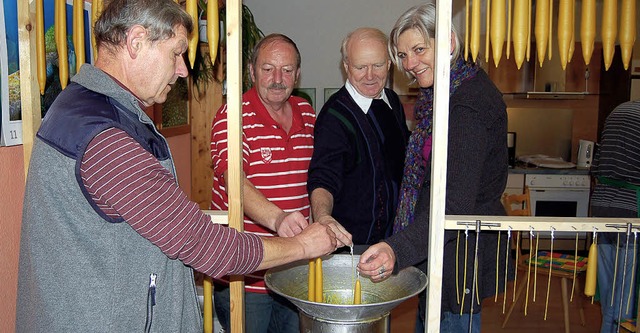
{"x": 11, "y": 122}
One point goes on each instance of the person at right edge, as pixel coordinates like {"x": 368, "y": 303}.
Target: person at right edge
{"x": 616, "y": 170}
{"x": 477, "y": 170}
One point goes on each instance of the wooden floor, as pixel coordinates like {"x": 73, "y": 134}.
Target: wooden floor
{"x": 403, "y": 317}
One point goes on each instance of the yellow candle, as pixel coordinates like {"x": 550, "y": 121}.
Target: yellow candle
{"x": 192, "y": 8}
{"x": 357, "y": 293}
{"x": 312, "y": 280}
{"x": 592, "y": 271}
{"x": 318, "y": 284}
{"x": 40, "y": 52}
{"x": 96, "y": 10}
{"x": 60, "y": 14}
{"x": 208, "y": 305}
{"x": 78, "y": 32}
{"x": 213, "y": 27}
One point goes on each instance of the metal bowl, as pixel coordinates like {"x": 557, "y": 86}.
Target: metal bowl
{"x": 291, "y": 282}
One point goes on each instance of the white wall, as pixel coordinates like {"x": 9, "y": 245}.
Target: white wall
{"x": 318, "y": 27}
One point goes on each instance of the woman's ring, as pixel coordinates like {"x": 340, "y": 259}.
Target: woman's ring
{"x": 381, "y": 270}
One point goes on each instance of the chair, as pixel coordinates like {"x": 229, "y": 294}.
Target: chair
{"x": 517, "y": 204}
{"x": 562, "y": 264}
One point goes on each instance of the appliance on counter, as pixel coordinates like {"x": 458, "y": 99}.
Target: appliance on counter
{"x": 585, "y": 154}
{"x": 559, "y": 195}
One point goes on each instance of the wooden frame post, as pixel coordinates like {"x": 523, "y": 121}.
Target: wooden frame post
{"x": 234, "y": 130}
{"x": 29, "y": 88}
{"x": 439, "y": 173}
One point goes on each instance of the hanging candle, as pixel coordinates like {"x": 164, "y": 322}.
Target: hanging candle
{"x": 78, "y": 32}
{"x": 627, "y": 30}
{"x": 40, "y": 48}
{"x": 60, "y": 33}
{"x": 520, "y": 29}
{"x": 564, "y": 31}
{"x": 475, "y": 30}
{"x": 542, "y": 29}
{"x": 498, "y": 29}
{"x": 588, "y": 29}
{"x": 609, "y": 31}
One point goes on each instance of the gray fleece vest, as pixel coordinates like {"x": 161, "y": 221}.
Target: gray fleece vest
{"x": 78, "y": 271}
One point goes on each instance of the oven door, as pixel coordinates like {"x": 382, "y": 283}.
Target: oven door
{"x": 560, "y": 202}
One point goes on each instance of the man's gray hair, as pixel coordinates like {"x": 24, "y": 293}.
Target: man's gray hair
{"x": 159, "y": 17}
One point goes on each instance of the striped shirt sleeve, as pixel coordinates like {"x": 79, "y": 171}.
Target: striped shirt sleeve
{"x": 126, "y": 181}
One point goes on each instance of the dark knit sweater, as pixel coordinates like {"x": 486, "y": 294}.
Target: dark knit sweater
{"x": 350, "y": 162}
{"x": 476, "y": 178}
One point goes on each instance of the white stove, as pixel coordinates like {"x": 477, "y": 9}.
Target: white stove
{"x": 559, "y": 195}
{"x": 557, "y": 181}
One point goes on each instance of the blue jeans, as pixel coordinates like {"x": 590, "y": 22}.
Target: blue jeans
{"x": 264, "y": 313}
{"x": 606, "y": 267}
{"x": 452, "y": 323}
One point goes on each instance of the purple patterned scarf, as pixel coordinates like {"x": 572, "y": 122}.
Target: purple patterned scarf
{"x": 415, "y": 164}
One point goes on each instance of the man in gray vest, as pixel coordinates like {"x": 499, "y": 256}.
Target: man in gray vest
{"x": 109, "y": 241}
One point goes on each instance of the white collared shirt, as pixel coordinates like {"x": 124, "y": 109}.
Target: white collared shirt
{"x": 364, "y": 102}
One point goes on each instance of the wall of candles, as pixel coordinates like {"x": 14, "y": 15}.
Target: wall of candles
{"x": 547, "y": 24}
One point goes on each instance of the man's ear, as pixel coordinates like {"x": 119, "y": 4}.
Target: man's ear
{"x": 252, "y": 74}
{"x": 135, "y": 38}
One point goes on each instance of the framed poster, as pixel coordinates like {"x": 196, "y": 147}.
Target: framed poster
{"x": 11, "y": 125}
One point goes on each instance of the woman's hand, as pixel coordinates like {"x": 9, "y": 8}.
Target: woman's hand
{"x": 377, "y": 262}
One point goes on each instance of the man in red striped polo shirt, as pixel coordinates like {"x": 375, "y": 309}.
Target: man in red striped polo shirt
{"x": 277, "y": 147}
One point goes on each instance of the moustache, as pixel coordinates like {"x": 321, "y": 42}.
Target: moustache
{"x": 277, "y": 86}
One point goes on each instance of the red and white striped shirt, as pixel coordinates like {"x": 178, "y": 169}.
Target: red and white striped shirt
{"x": 274, "y": 161}
{"x": 126, "y": 181}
